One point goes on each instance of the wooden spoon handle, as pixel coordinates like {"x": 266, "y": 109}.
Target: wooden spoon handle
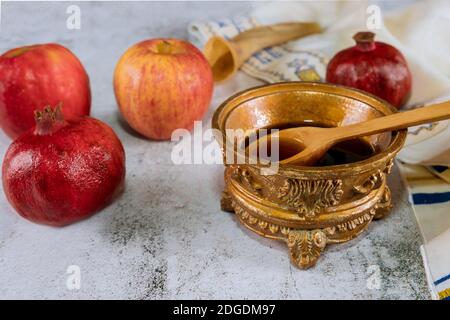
{"x": 396, "y": 121}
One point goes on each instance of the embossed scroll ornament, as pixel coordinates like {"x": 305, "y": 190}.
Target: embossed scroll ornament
{"x": 370, "y": 184}
{"x": 311, "y": 197}
{"x": 305, "y": 247}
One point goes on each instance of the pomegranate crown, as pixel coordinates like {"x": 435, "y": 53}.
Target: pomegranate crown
{"x": 364, "y": 36}
{"x": 365, "y": 40}
{"x": 49, "y": 120}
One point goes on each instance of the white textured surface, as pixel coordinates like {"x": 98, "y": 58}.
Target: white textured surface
{"x": 166, "y": 237}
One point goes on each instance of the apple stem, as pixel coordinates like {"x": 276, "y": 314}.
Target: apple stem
{"x": 164, "y": 47}
{"x": 49, "y": 120}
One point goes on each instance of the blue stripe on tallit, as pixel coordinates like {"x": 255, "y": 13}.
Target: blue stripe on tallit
{"x": 443, "y": 279}
{"x": 440, "y": 169}
{"x": 430, "y": 198}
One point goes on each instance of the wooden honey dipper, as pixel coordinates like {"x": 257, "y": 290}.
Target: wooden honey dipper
{"x": 313, "y": 142}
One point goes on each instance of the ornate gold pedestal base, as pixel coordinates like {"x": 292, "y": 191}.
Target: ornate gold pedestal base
{"x": 306, "y": 232}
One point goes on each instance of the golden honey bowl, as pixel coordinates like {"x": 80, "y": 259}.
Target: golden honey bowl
{"x": 308, "y": 207}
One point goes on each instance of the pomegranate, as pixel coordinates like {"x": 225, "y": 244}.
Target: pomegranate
{"x": 61, "y": 171}
{"x": 372, "y": 66}
{"x": 32, "y": 77}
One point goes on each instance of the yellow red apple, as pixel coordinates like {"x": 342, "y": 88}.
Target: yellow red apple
{"x": 161, "y": 85}
{"x": 36, "y": 76}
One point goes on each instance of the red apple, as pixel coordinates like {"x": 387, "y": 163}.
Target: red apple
{"x": 162, "y": 85}
{"x": 33, "y": 77}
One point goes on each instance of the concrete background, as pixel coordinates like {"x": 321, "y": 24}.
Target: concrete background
{"x": 166, "y": 237}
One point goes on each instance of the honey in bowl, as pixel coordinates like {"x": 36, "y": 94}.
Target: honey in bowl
{"x": 345, "y": 152}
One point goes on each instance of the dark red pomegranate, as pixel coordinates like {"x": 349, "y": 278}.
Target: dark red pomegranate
{"x": 62, "y": 171}
{"x": 372, "y": 66}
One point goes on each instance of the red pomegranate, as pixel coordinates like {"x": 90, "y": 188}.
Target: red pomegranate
{"x": 372, "y": 66}
{"x": 33, "y": 77}
{"x": 62, "y": 171}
